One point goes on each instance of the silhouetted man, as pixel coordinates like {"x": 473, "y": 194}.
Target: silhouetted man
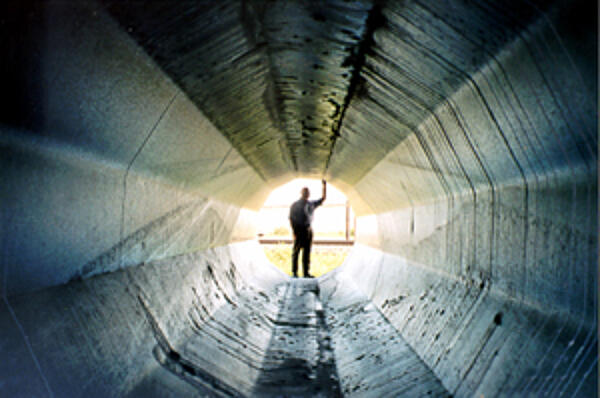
{"x": 301, "y": 214}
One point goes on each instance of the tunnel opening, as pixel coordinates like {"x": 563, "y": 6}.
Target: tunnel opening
{"x": 333, "y": 226}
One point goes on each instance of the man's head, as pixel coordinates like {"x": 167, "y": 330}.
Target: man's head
{"x": 305, "y": 193}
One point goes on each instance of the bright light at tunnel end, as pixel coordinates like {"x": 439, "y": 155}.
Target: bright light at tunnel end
{"x": 333, "y": 226}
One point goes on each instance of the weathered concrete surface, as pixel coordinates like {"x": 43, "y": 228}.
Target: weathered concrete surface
{"x": 475, "y": 338}
{"x": 110, "y": 164}
{"x": 488, "y": 212}
{"x": 98, "y": 337}
{"x": 137, "y": 140}
{"x": 372, "y": 358}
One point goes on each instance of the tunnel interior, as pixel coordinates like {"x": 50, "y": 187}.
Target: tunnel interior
{"x": 139, "y": 140}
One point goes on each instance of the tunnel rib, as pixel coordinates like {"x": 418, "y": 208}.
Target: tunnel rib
{"x": 130, "y": 164}
{"x": 34, "y": 357}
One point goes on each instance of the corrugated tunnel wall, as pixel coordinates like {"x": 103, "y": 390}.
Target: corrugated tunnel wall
{"x": 139, "y": 139}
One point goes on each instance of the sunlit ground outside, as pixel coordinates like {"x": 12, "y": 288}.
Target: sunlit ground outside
{"x": 322, "y": 258}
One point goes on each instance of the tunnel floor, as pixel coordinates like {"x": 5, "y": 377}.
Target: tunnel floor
{"x": 301, "y": 337}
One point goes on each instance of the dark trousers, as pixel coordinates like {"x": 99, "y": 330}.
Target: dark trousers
{"x": 302, "y": 240}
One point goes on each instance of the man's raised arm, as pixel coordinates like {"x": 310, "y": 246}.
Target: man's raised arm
{"x": 324, "y": 194}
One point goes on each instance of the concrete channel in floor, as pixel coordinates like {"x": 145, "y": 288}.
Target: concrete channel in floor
{"x": 303, "y": 337}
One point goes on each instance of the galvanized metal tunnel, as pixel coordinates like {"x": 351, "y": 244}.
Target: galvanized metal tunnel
{"x": 139, "y": 139}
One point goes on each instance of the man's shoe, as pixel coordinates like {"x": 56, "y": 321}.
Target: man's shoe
{"x": 308, "y": 276}
{"x": 295, "y": 276}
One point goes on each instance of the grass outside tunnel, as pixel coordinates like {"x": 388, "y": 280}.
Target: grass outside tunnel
{"x": 322, "y": 258}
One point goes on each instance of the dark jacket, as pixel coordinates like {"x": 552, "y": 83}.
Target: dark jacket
{"x": 301, "y": 212}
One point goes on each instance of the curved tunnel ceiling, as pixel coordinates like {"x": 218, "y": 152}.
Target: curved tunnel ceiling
{"x": 321, "y": 88}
